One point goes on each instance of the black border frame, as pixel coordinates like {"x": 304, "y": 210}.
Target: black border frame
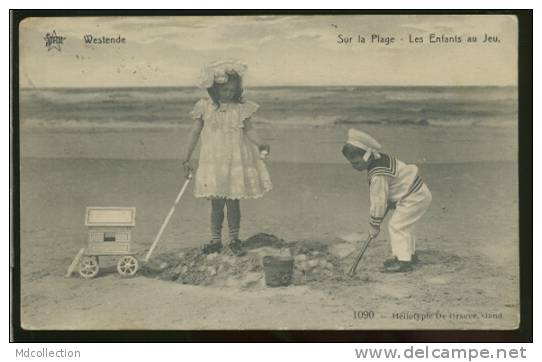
{"x": 525, "y": 106}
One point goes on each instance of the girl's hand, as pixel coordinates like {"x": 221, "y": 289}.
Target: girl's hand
{"x": 264, "y": 147}
{"x": 264, "y": 151}
{"x": 187, "y": 169}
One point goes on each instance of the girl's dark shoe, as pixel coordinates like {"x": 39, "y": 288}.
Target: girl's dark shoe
{"x": 398, "y": 267}
{"x": 236, "y": 246}
{"x": 212, "y": 247}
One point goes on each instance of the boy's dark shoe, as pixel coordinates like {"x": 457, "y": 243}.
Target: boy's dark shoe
{"x": 390, "y": 261}
{"x": 236, "y": 247}
{"x": 414, "y": 260}
{"x": 212, "y": 247}
{"x": 398, "y": 267}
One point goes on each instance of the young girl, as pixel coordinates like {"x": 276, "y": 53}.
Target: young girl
{"x": 230, "y": 163}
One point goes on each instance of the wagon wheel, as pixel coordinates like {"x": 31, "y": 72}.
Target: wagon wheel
{"x": 88, "y": 267}
{"x": 127, "y": 266}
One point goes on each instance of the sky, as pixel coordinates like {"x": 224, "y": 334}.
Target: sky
{"x": 278, "y": 50}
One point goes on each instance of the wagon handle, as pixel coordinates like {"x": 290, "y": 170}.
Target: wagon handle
{"x": 166, "y": 221}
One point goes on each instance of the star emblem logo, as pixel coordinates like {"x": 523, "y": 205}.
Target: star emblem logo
{"x": 53, "y": 41}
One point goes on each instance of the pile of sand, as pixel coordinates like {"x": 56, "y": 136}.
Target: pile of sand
{"x": 313, "y": 262}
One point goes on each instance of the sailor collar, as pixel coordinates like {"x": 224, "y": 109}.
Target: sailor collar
{"x": 386, "y": 165}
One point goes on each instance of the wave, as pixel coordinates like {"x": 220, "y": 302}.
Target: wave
{"x": 86, "y": 125}
{"x": 340, "y": 121}
{"x": 98, "y": 96}
{"x": 475, "y": 123}
{"x": 292, "y": 122}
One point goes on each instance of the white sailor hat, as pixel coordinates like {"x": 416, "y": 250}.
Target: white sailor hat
{"x": 362, "y": 140}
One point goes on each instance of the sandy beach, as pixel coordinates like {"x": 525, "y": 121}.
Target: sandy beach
{"x": 468, "y": 241}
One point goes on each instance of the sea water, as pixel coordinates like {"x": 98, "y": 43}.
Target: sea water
{"x": 299, "y": 107}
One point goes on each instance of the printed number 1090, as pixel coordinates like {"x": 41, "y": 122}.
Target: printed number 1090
{"x": 363, "y": 314}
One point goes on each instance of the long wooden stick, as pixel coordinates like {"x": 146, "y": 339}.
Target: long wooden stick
{"x": 74, "y": 263}
{"x": 166, "y": 221}
{"x": 352, "y": 270}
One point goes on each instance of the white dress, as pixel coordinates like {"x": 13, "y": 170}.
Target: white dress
{"x": 229, "y": 163}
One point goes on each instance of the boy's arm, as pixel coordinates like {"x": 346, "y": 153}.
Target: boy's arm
{"x": 378, "y": 194}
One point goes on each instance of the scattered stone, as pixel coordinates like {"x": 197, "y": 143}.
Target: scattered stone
{"x": 302, "y": 266}
{"x": 327, "y": 273}
{"x": 212, "y": 256}
{"x": 312, "y": 263}
{"x": 300, "y": 257}
{"x": 251, "y": 279}
{"x": 269, "y": 251}
{"x": 342, "y": 250}
{"x": 322, "y": 263}
{"x": 156, "y": 266}
{"x": 232, "y": 282}
{"x": 227, "y": 259}
{"x": 211, "y": 271}
{"x": 297, "y": 273}
{"x": 352, "y": 238}
{"x": 285, "y": 253}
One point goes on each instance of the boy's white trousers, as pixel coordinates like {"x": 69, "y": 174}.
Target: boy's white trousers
{"x": 401, "y": 225}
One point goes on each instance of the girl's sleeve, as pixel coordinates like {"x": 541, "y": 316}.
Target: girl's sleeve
{"x": 248, "y": 108}
{"x": 199, "y": 109}
{"x": 378, "y": 193}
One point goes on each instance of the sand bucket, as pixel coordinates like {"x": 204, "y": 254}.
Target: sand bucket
{"x": 278, "y": 270}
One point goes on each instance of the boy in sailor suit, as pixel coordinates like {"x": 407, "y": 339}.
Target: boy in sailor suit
{"x": 392, "y": 185}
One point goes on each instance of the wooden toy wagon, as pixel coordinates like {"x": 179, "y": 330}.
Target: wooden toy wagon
{"x": 109, "y": 234}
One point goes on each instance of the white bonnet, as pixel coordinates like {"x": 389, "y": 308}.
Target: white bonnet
{"x": 218, "y": 72}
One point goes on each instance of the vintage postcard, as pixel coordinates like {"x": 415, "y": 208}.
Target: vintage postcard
{"x": 277, "y": 172}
